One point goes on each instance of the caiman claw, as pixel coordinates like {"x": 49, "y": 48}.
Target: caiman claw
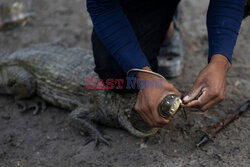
{"x": 35, "y": 107}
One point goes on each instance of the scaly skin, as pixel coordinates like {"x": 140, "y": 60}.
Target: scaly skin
{"x": 58, "y": 75}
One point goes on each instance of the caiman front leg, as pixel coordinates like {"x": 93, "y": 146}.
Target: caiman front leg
{"x": 81, "y": 119}
{"x": 36, "y": 105}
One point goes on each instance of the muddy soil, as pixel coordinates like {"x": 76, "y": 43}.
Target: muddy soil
{"x": 48, "y": 140}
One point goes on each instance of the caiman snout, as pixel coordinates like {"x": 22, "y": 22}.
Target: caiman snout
{"x": 15, "y": 81}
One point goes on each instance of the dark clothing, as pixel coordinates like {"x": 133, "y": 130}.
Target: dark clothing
{"x": 128, "y": 33}
{"x": 150, "y": 23}
{"x": 224, "y": 18}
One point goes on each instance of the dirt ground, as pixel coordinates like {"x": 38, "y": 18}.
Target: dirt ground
{"x": 48, "y": 140}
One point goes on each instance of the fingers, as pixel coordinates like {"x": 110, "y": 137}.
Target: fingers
{"x": 217, "y": 99}
{"x": 145, "y": 114}
{"x": 172, "y": 90}
{"x": 201, "y": 101}
{"x": 210, "y": 104}
{"x": 151, "y": 116}
{"x": 207, "y": 100}
{"x": 158, "y": 119}
{"x": 148, "y": 101}
{"x": 177, "y": 93}
{"x": 211, "y": 81}
{"x": 195, "y": 90}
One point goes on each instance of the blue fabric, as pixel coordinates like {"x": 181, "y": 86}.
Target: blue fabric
{"x": 224, "y": 18}
{"x": 116, "y": 33}
{"x": 114, "y": 30}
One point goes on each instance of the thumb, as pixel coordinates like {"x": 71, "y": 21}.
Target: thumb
{"x": 194, "y": 92}
{"x": 176, "y": 92}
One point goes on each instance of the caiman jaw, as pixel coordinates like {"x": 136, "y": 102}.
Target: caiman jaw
{"x": 169, "y": 106}
{"x": 174, "y": 108}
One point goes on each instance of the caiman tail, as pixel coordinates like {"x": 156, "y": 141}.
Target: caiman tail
{"x": 126, "y": 124}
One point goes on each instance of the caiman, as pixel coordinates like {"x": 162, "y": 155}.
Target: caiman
{"x": 57, "y": 74}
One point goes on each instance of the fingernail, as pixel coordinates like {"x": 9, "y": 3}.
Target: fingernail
{"x": 186, "y": 98}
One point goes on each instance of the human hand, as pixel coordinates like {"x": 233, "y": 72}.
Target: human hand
{"x": 210, "y": 83}
{"x": 148, "y": 99}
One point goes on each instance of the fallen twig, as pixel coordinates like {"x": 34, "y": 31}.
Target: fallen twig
{"x": 209, "y": 134}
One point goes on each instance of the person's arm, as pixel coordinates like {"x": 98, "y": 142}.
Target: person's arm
{"x": 116, "y": 33}
{"x": 224, "y": 18}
